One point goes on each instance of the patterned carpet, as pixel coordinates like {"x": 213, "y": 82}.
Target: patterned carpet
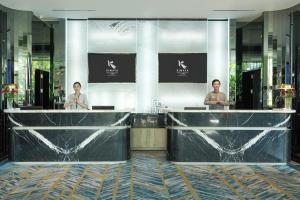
{"x": 145, "y": 177}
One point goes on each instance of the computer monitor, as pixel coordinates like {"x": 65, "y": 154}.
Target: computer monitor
{"x": 194, "y": 108}
{"x": 31, "y": 108}
{"x": 103, "y": 107}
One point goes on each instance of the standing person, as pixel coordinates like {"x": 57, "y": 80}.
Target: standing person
{"x": 216, "y": 99}
{"x": 77, "y": 100}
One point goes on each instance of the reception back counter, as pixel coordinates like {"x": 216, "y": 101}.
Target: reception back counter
{"x": 260, "y": 136}
{"x": 64, "y": 135}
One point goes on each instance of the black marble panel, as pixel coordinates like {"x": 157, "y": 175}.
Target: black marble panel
{"x": 296, "y": 139}
{"x": 229, "y": 119}
{"x": 70, "y": 119}
{"x": 70, "y": 145}
{"x": 3, "y": 138}
{"x": 69, "y": 136}
{"x": 228, "y": 146}
{"x": 229, "y": 137}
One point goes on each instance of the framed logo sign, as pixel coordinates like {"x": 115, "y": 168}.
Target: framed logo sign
{"x": 182, "y": 67}
{"x": 110, "y": 67}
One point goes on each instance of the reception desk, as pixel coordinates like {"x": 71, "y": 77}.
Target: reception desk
{"x": 65, "y": 135}
{"x": 249, "y": 136}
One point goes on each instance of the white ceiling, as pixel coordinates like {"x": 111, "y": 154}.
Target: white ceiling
{"x": 235, "y": 9}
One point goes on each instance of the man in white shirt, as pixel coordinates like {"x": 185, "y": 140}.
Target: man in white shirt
{"x": 77, "y": 100}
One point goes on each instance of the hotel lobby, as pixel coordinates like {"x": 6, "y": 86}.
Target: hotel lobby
{"x": 150, "y": 100}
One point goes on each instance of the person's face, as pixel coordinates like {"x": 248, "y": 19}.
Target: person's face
{"x": 216, "y": 85}
{"x": 76, "y": 88}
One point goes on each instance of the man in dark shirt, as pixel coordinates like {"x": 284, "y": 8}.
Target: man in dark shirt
{"x": 216, "y": 99}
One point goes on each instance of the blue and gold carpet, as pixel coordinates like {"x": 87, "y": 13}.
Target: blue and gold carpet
{"x": 148, "y": 178}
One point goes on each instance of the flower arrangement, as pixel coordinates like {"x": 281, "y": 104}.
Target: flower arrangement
{"x": 287, "y": 90}
{"x": 9, "y": 90}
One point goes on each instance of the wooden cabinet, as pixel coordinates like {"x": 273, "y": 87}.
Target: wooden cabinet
{"x": 148, "y": 139}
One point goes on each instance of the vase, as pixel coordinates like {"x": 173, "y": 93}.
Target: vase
{"x": 9, "y": 103}
{"x": 288, "y": 103}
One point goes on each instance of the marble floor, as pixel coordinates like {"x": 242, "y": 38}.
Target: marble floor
{"x": 148, "y": 177}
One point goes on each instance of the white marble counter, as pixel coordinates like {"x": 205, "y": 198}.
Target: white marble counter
{"x": 65, "y": 111}
{"x": 235, "y": 111}
{"x": 132, "y": 111}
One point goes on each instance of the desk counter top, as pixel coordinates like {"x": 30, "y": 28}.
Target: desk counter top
{"x": 65, "y": 111}
{"x": 132, "y": 111}
{"x": 234, "y": 111}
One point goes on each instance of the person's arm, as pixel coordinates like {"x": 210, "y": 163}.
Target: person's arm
{"x": 69, "y": 102}
{"x": 83, "y": 103}
{"x": 223, "y": 100}
{"x": 207, "y": 100}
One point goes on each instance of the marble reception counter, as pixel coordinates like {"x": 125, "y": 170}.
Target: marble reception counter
{"x": 65, "y": 135}
{"x": 260, "y": 136}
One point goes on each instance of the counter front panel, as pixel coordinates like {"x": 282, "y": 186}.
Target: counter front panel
{"x": 247, "y": 136}
{"x": 69, "y": 136}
